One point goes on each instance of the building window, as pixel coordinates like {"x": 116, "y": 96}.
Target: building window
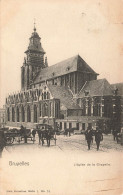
{"x": 62, "y": 80}
{"x": 45, "y": 110}
{"x": 71, "y": 80}
{"x": 65, "y": 125}
{"x": 40, "y": 109}
{"x": 60, "y": 125}
{"x": 23, "y": 114}
{"x": 56, "y": 109}
{"x": 48, "y": 95}
{"x": 89, "y": 108}
{"x": 45, "y": 96}
{"x": 83, "y": 126}
{"x": 108, "y": 110}
{"x": 68, "y": 68}
{"x": 99, "y": 110}
{"x": 50, "y": 110}
{"x": 86, "y": 92}
{"x": 90, "y": 125}
{"x": 77, "y": 126}
{"x": 28, "y": 114}
{"x": 35, "y": 114}
{"x": 66, "y": 79}
{"x": 13, "y": 115}
{"x": 18, "y": 116}
{"x": 8, "y": 114}
{"x": 70, "y": 125}
{"x": 95, "y": 110}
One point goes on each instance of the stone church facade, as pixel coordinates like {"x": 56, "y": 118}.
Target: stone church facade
{"x": 67, "y": 93}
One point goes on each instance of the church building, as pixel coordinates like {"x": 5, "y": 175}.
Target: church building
{"x": 67, "y": 93}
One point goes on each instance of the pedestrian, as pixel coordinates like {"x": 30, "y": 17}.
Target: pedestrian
{"x": 23, "y": 133}
{"x": 42, "y": 135}
{"x": 33, "y": 133}
{"x": 98, "y": 137}
{"x": 22, "y": 130}
{"x": 39, "y": 135}
{"x": 88, "y": 136}
{"x": 115, "y": 134}
{"x": 48, "y": 136}
{"x": 92, "y": 135}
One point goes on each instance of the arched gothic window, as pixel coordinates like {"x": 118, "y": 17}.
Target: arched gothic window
{"x": 48, "y": 95}
{"x": 40, "y": 109}
{"x": 50, "y": 110}
{"x": 35, "y": 114}
{"x": 23, "y": 114}
{"x": 8, "y": 114}
{"x": 18, "y": 116}
{"x": 56, "y": 109}
{"x": 45, "y": 110}
{"x": 45, "y": 96}
{"x": 13, "y": 115}
{"x": 28, "y": 114}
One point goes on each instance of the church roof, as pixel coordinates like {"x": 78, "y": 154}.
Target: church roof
{"x": 99, "y": 87}
{"x": 64, "y": 94}
{"x": 118, "y": 86}
{"x": 72, "y": 64}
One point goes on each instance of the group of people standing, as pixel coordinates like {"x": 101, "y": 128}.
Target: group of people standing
{"x": 89, "y": 137}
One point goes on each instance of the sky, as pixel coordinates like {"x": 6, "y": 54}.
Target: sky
{"x": 91, "y": 28}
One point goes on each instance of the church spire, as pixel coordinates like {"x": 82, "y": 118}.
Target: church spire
{"x": 34, "y": 61}
{"x": 34, "y": 25}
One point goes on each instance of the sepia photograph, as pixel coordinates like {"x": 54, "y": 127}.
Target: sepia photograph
{"x": 61, "y": 97}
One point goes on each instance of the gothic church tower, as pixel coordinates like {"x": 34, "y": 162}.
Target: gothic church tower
{"x": 33, "y": 62}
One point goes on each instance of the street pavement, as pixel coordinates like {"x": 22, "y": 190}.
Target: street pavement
{"x": 78, "y": 142}
{"x": 67, "y": 144}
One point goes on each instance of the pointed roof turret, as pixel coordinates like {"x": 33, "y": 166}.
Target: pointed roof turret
{"x": 35, "y": 44}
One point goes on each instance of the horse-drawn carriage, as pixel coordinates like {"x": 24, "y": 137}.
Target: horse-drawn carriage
{"x": 46, "y": 132}
{"x": 18, "y": 135}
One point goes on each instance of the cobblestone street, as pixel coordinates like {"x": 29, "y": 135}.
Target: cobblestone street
{"x": 68, "y": 144}
{"x": 78, "y": 142}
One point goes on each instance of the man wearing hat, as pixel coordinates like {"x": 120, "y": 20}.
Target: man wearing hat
{"x": 98, "y": 137}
